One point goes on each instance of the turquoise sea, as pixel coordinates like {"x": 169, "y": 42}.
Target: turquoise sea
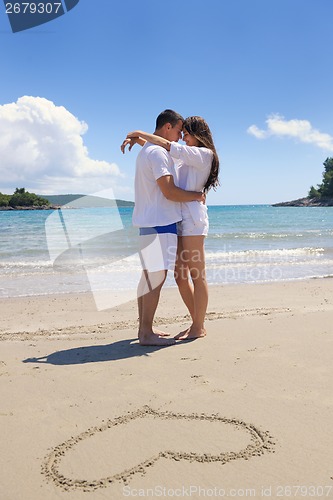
{"x": 44, "y": 252}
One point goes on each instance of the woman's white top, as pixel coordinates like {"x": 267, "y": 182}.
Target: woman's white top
{"x": 193, "y": 170}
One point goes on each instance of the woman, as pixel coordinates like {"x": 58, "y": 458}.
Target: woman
{"x": 198, "y": 168}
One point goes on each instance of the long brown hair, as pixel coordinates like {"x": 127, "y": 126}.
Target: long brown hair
{"x": 198, "y": 128}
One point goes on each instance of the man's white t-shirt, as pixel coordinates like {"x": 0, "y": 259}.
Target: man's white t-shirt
{"x": 151, "y": 207}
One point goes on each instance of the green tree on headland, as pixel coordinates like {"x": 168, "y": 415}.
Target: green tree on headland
{"x": 22, "y": 198}
{"x": 325, "y": 189}
{"x": 4, "y": 200}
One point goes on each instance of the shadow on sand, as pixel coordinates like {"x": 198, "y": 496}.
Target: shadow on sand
{"x": 122, "y": 349}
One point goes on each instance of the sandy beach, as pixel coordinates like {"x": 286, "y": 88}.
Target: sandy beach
{"x": 246, "y": 412}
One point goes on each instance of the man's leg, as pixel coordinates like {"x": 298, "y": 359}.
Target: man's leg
{"x": 143, "y": 289}
{"x": 149, "y": 290}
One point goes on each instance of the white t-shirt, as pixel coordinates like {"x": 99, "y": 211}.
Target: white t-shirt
{"x": 193, "y": 171}
{"x": 151, "y": 207}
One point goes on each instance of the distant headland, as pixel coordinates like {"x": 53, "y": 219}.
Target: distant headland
{"x": 306, "y": 202}
{"x": 23, "y": 200}
{"x": 322, "y": 196}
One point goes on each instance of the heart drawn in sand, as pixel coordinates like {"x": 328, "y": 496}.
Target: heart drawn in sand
{"x": 136, "y": 441}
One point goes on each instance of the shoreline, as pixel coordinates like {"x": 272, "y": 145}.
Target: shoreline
{"x": 17, "y": 209}
{"x": 73, "y": 311}
{"x": 170, "y": 286}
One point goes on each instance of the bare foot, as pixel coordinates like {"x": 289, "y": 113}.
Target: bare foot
{"x": 191, "y": 333}
{"x": 180, "y": 335}
{"x": 151, "y": 338}
{"x": 161, "y": 333}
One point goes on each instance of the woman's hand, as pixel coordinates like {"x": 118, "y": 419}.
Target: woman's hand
{"x": 127, "y": 142}
{"x": 130, "y": 141}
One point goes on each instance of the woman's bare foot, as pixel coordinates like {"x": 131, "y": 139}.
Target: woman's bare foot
{"x": 180, "y": 335}
{"x": 150, "y": 338}
{"x": 191, "y": 333}
{"x": 161, "y": 333}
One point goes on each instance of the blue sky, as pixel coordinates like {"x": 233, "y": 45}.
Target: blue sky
{"x": 260, "y": 72}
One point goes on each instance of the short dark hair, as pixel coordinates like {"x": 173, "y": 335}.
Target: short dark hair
{"x": 168, "y": 116}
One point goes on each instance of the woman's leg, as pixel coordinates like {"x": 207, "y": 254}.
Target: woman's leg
{"x": 194, "y": 253}
{"x": 182, "y": 277}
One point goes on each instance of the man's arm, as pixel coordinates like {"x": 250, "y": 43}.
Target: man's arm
{"x": 174, "y": 193}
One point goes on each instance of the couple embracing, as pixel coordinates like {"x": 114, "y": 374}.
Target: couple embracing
{"x": 171, "y": 182}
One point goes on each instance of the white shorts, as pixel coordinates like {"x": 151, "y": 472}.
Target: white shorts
{"x": 158, "y": 251}
{"x": 189, "y": 227}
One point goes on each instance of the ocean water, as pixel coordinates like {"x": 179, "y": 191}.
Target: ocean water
{"x": 78, "y": 250}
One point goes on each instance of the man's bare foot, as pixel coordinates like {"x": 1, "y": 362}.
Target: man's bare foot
{"x": 150, "y": 338}
{"x": 191, "y": 333}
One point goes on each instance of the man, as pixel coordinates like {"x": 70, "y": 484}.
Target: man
{"x": 156, "y": 213}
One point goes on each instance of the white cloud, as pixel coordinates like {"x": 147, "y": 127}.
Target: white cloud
{"x": 298, "y": 129}
{"x": 41, "y": 146}
{"x": 254, "y": 130}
